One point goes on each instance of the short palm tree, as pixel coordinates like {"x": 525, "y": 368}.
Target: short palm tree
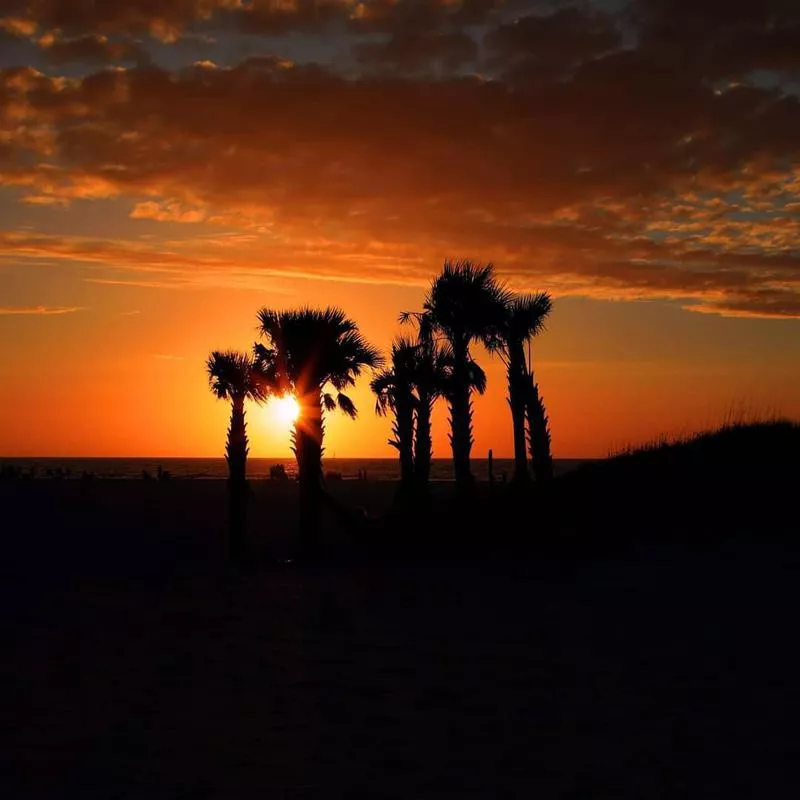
{"x": 465, "y": 303}
{"x": 317, "y": 355}
{"x": 432, "y": 368}
{"x": 525, "y": 317}
{"x": 237, "y": 377}
{"x": 538, "y": 432}
{"x": 394, "y": 388}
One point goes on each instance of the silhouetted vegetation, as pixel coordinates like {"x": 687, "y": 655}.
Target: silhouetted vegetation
{"x": 316, "y": 354}
{"x": 394, "y": 389}
{"x": 538, "y": 432}
{"x": 431, "y": 373}
{"x": 465, "y": 304}
{"x": 737, "y": 479}
{"x": 736, "y": 449}
{"x": 418, "y": 376}
{"x": 277, "y": 472}
{"x": 237, "y": 377}
{"x": 523, "y": 319}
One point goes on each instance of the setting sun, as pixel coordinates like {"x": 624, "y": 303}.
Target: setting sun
{"x": 282, "y": 411}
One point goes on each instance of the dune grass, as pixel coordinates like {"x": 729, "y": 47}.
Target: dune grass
{"x": 747, "y": 446}
{"x": 736, "y": 480}
{"x": 731, "y": 429}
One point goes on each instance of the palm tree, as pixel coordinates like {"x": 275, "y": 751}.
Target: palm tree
{"x": 394, "y": 388}
{"x": 525, "y": 318}
{"x": 465, "y": 303}
{"x": 538, "y": 432}
{"x": 237, "y": 377}
{"x": 432, "y": 368}
{"x": 317, "y": 355}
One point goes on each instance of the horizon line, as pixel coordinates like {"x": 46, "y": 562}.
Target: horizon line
{"x": 282, "y": 458}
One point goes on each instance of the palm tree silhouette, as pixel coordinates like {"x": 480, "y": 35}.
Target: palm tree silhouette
{"x": 317, "y": 355}
{"x": 432, "y": 368}
{"x": 525, "y": 317}
{"x": 538, "y": 432}
{"x": 465, "y": 303}
{"x": 394, "y": 388}
{"x": 237, "y": 377}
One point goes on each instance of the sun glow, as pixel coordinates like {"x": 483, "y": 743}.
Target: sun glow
{"x": 282, "y": 411}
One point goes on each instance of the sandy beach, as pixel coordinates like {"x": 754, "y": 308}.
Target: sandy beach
{"x": 137, "y": 663}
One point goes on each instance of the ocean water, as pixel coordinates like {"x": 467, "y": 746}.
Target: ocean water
{"x": 383, "y": 469}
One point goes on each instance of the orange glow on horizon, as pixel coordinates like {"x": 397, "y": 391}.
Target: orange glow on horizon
{"x": 611, "y": 374}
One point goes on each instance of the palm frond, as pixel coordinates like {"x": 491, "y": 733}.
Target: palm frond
{"x": 466, "y": 300}
{"x": 381, "y": 385}
{"x": 525, "y": 317}
{"x": 347, "y": 405}
{"x": 399, "y": 379}
{"x": 233, "y": 374}
{"x": 317, "y": 346}
{"x": 529, "y": 313}
{"x": 477, "y": 377}
{"x": 432, "y": 369}
{"x": 408, "y": 317}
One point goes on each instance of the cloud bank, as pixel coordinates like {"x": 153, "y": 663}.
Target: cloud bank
{"x": 652, "y": 151}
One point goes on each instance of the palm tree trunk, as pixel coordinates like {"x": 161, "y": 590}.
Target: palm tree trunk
{"x": 236, "y": 456}
{"x": 516, "y": 401}
{"x": 308, "y": 436}
{"x": 461, "y": 417}
{"x": 423, "y": 446}
{"x": 538, "y": 433}
{"x": 405, "y": 442}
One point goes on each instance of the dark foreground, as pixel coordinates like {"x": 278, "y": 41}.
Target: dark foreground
{"x": 136, "y": 664}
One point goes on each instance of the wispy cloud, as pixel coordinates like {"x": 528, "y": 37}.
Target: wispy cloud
{"x": 138, "y": 284}
{"x": 37, "y": 311}
{"x": 167, "y": 212}
{"x": 167, "y": 357}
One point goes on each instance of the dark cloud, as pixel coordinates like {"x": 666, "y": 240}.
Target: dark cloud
{"x": 760, "y": 303}
{"x": 721, "y": 38}
{"x": 419, "y": 52}
{"x": 91, "y": 48}
{"x": 163, "y": 19}
{"x": 548, "y": 47}
{"x": 168, "y": 19}
{"x": 615, "y": 156}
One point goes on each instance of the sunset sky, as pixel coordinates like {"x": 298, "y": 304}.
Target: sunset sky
{"x": 169, "y": 166}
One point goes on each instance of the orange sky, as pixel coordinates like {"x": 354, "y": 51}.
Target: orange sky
{"x": 165, "y": 171}
{"x": 124, "y": 376}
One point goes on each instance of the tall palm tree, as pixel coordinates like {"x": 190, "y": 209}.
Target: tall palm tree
{"x": 525, "y": 317}
{"x": 394, "y": 388}
{"x": 317, "y": 355}
{"x": 465, "y": 304}
{"x": 237, "y": 377}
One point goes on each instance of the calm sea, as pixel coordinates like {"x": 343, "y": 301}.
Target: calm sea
{"x": 384, "y": 469}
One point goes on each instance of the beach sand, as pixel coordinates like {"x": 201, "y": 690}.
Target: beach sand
{"x": 138, "y": 664}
